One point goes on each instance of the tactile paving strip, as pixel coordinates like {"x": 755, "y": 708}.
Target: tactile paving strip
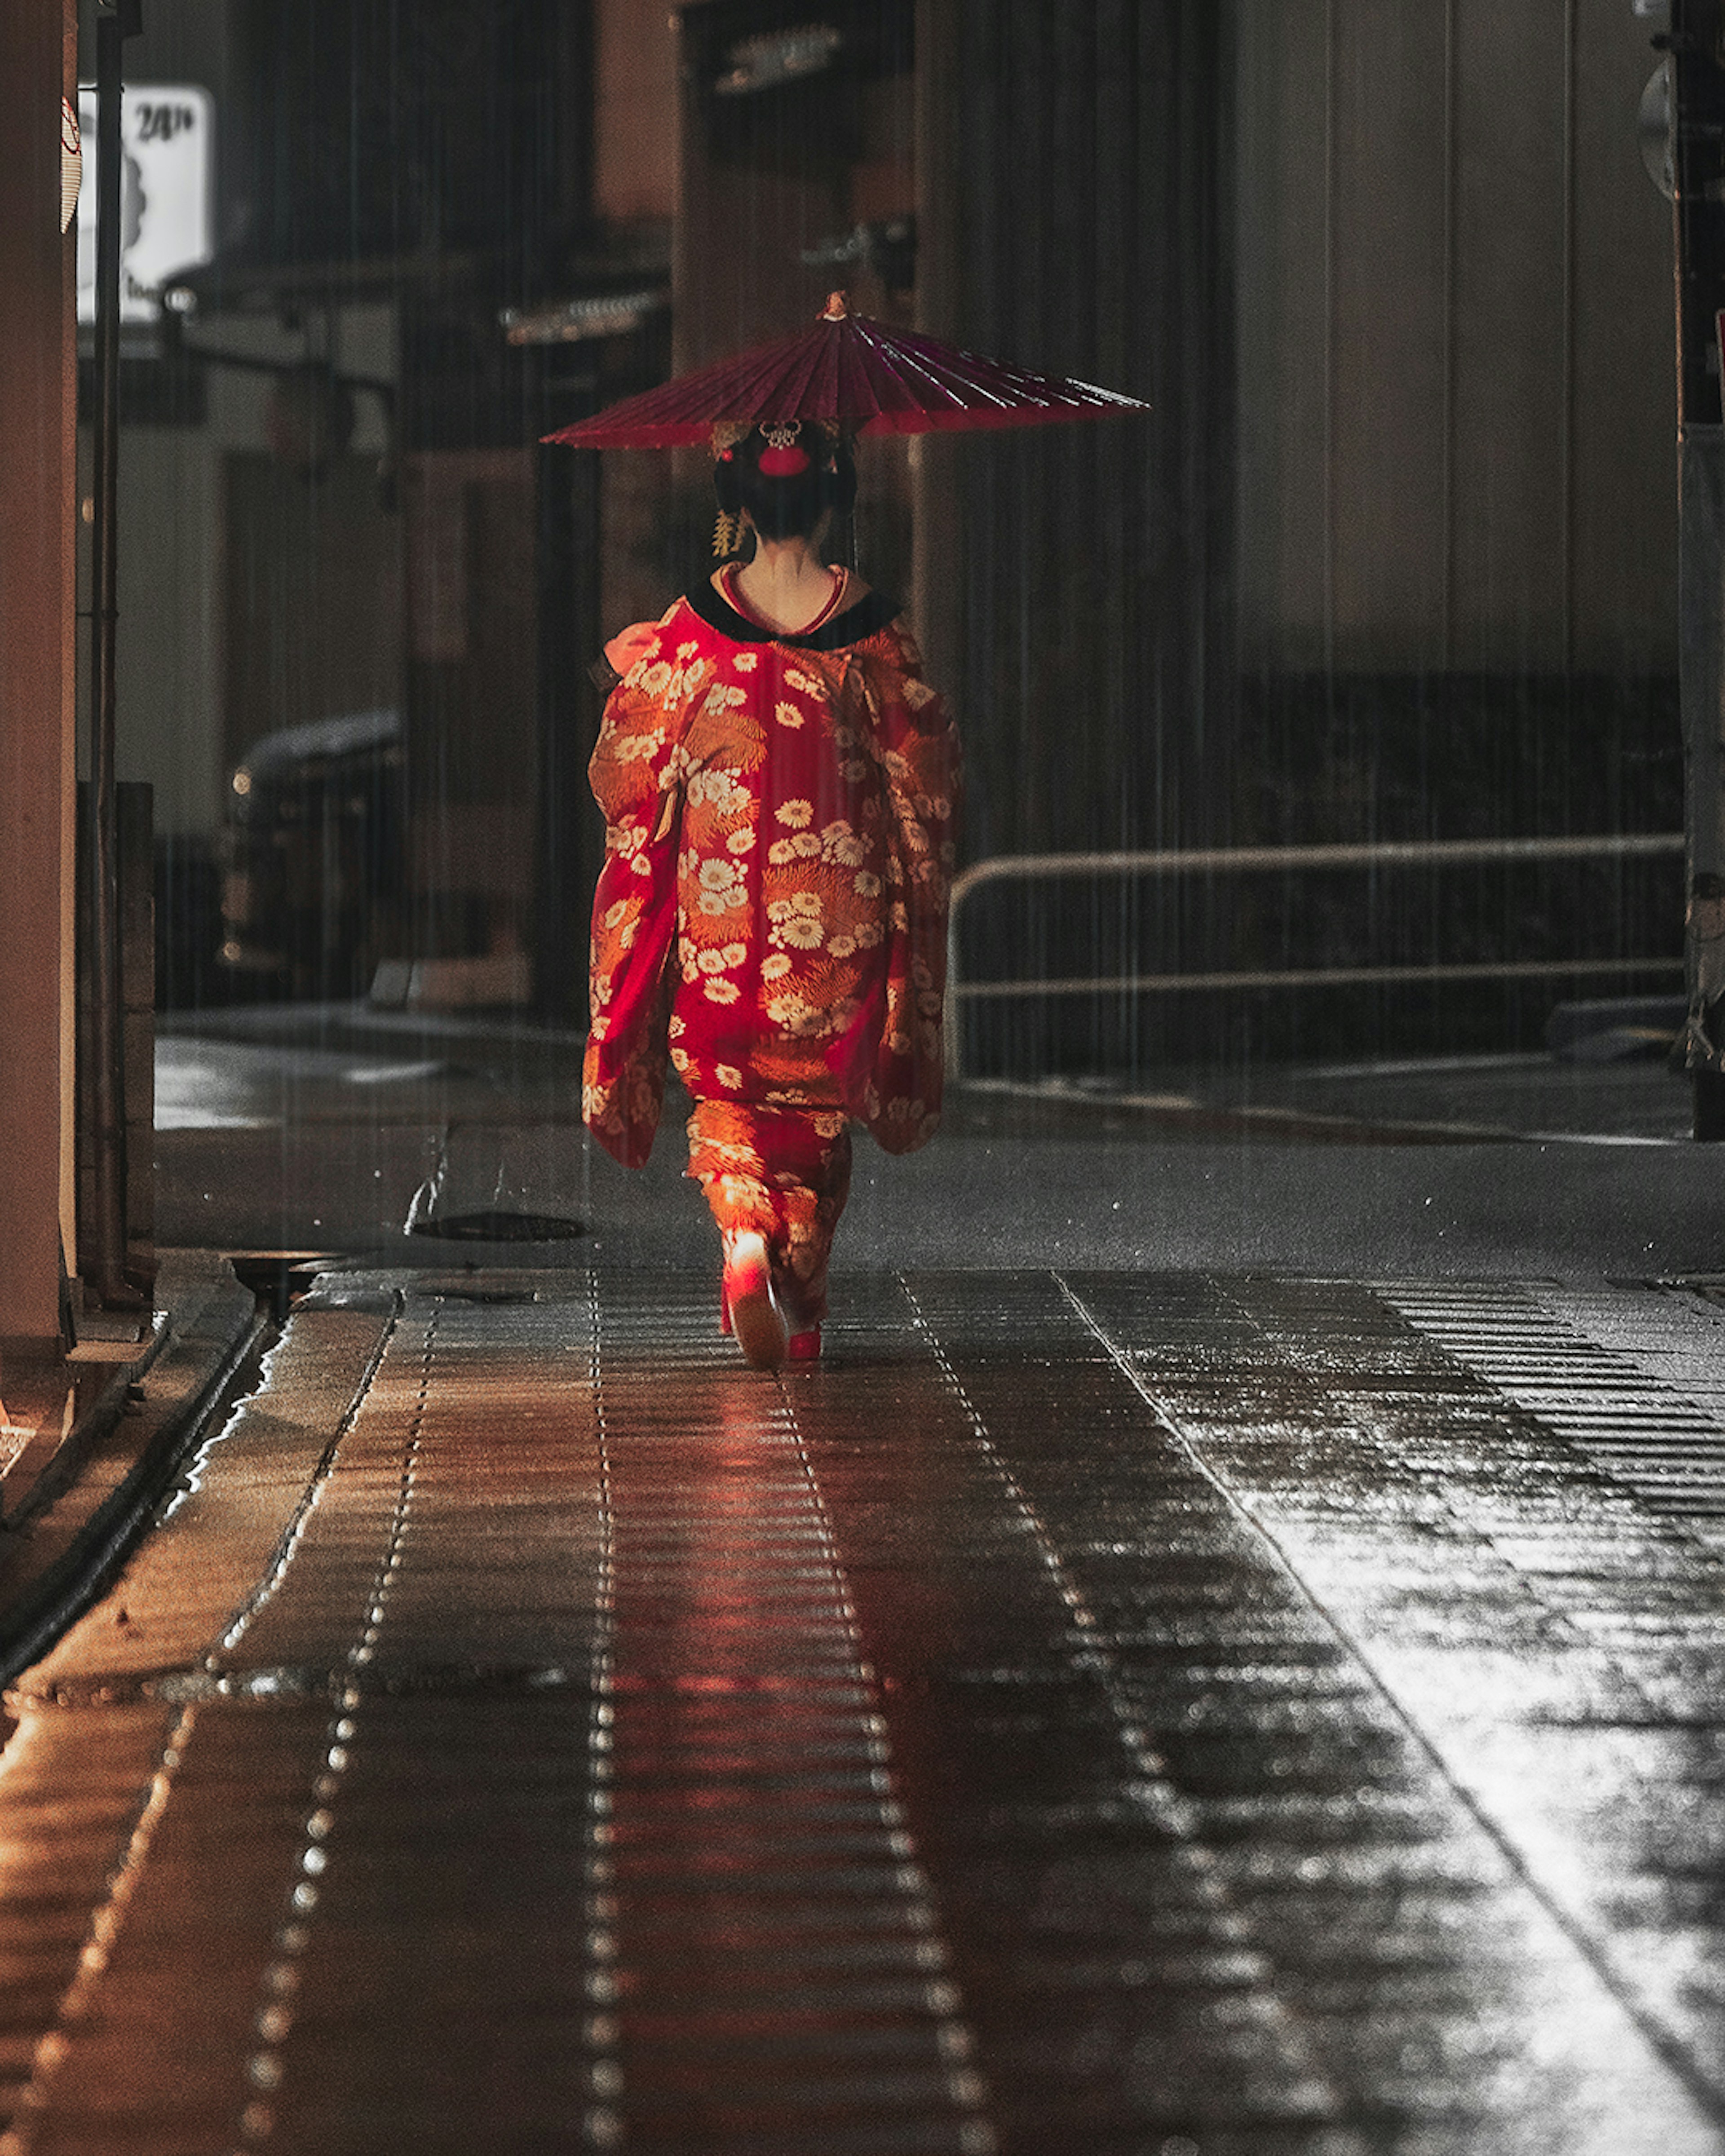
{"x": 772, "y": 1973}
{"x": 1641, "y": 1396}
{"x": 364, "y": 1824}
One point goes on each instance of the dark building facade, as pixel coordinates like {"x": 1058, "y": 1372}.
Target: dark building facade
{"x": 1391, "y": 558}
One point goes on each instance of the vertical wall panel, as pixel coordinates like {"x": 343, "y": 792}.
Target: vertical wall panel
{"x": 1454, "y": 343}
{"x": 1510, "y": 391}
{"x": 1282, "y": 251}
{"x": 1624, "y": 575}
{"x": 170, "y": 569}
{"x": 1074, "y": 213}
{"x": 1388, "y": 205}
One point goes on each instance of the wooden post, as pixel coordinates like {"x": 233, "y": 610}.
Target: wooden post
{"x": 37, "y": 468}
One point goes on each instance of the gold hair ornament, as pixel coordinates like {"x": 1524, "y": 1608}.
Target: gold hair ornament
{"x": 726, "y": 433}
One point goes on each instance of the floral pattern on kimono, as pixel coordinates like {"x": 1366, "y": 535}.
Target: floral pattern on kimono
{"x": 771, "y": 915}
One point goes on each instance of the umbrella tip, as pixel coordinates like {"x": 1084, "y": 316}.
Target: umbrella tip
{"x": 835, "y": 310}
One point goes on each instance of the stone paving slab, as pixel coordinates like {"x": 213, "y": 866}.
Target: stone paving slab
{"x": 1095, "y": 1712}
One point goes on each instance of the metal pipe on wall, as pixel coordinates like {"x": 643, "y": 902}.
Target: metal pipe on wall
{"x": 1696, "y": 44}
{"x": 104, "y": 1237}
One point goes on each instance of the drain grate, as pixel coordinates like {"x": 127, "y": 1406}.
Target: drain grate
{"x": 499, "y": 1225}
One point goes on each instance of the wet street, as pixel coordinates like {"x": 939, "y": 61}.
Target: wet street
{"x": 1144, "y": 584}
{"x": 1099, "y": 1710}
{"x": 323, "y": 1131}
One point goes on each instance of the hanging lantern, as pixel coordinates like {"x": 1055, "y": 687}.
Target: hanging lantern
{"x": 71, "y": 161}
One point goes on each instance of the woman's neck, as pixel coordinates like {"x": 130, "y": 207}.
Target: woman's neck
{"x": 787, "y": 584}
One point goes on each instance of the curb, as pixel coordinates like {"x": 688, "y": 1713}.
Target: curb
{"x": 84, "y": 1514}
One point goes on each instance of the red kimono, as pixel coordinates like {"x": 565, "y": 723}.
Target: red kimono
{"x": 772, "y": 913}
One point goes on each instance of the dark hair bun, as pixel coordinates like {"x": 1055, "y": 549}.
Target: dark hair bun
{"x": 788, "y": 506}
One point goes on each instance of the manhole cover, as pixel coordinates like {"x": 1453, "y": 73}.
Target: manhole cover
{"x": 499, "y": 1227}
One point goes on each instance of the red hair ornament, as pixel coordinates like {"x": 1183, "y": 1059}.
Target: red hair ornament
{"x": 783, "y": 457}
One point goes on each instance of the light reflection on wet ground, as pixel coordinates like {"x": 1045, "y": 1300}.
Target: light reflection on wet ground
{"x": 214, "y": 1085}
{"x": 1096, "y": 1711}
{"x": 335, "y": 1140}
{"x": 204, "y": 1080}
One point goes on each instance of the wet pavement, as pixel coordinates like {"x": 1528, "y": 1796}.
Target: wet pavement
{"x": 343, "y": 1134}
{"x": 1111, "y": 1711}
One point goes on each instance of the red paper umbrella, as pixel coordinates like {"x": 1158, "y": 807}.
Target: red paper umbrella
{"x": 852, "y": 370}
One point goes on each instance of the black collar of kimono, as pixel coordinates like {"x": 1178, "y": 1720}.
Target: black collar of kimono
{"x": 866, "y": 619}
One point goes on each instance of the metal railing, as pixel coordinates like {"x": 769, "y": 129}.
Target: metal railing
{"x": 1227, "y": 860}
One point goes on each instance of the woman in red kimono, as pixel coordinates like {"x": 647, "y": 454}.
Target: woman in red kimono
{"x": 779, "y": 786}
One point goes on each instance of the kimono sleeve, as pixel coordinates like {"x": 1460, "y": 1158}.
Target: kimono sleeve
{"x": 897, "y": 1089}
{"x": 635, "y": 777}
